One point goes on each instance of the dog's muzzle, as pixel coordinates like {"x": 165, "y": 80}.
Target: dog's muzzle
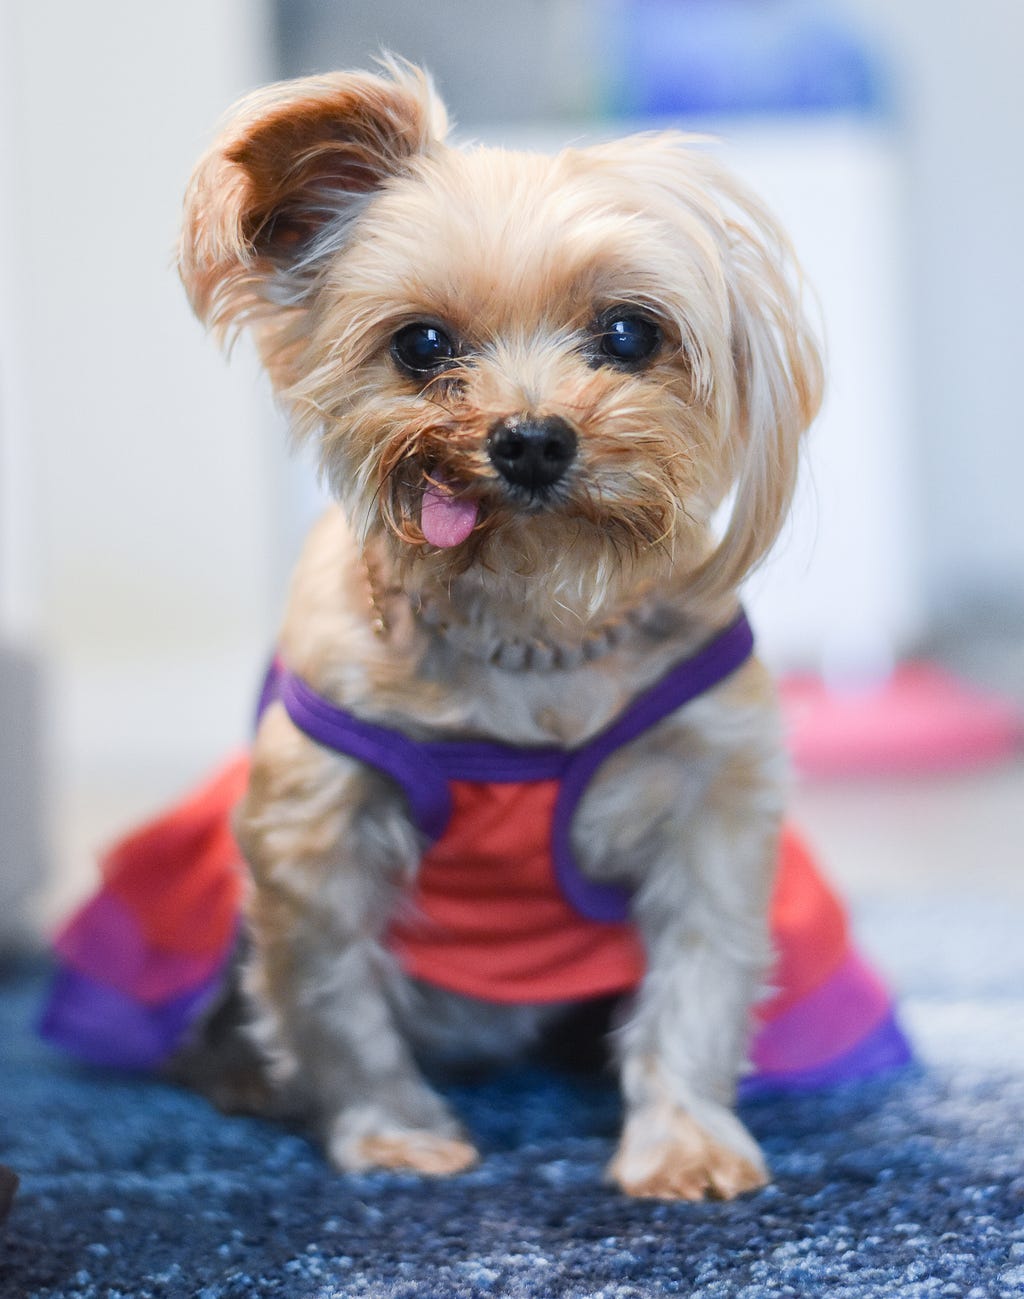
{"x": 532, "y": 453}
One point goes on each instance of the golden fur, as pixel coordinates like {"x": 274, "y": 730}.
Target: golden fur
{"x": 327, "y": 217}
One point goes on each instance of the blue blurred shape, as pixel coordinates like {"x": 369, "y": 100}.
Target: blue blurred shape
{"x": 720, "y": 58}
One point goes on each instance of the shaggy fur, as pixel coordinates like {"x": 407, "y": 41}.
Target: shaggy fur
{"x": 329, "y": 217}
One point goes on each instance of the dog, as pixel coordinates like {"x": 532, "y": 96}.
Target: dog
{"x": 535, "y": 385}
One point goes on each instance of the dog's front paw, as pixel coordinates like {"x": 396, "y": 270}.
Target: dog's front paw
{"x": 365, "y": 1138}
{"x": 665, "y": 1154}
{"x": 417, "y": 1152}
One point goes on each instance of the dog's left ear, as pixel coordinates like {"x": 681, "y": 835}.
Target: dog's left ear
{"x": 777, "y": 378}
{"x": 294, "y": 165}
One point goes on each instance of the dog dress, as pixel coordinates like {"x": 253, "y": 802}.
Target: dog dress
{"x": 499, "y": 909}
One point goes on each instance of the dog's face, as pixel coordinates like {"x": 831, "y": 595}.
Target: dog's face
{"x": 561, "y": 366}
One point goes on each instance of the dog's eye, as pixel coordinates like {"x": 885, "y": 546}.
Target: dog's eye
{"x": 421, "y": 349}
{"x": 628, "y": 340}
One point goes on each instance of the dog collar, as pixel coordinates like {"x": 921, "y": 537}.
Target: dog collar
{"x": 512, "y": 654}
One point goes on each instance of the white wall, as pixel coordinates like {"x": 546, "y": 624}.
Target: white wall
{"x": 145, "y": 529}
{"x": 960, "y": 100}
{"x": 841, "y": 593}
{"x": 24, "y": 842}
{"x": 156, "y": 518}
{"x": 19, "y": 566}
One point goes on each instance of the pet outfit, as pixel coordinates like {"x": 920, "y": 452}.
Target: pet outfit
{"x": 499, "y": 909}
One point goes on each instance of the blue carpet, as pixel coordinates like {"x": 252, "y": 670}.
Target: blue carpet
{"x": 911, "y": 1186}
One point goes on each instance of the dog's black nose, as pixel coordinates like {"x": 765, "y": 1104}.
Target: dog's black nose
{"x": 532, "y": 453}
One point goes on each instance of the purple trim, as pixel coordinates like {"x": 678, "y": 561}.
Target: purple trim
{"x": 386, "y": 750}
{"x": 500, "y": 764}
{"x": 475, "y": 760}
{"x": 269, "y": 690}
{"x": 825, "y": 1020}
{"x": 884, "y": 1048}
{"x": 104, "y": 941}
{"x": 102, "y": 1026}
{"x": 716, "y": 661}
{"x": 422, "y": 769}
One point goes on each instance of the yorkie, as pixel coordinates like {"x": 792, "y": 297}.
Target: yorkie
{"x": 515, "y": 752}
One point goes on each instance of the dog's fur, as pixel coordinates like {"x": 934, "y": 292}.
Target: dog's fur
{"x": 329, "y": 215}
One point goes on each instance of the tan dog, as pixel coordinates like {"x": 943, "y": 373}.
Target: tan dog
{"x": 532, "y": 382}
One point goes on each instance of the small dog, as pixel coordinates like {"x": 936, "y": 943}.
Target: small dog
{"x": 533, "y": 382}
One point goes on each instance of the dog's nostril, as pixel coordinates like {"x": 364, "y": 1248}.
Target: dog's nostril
{"x": 530, "y": 452}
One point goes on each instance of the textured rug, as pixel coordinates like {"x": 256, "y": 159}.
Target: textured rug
{"x": 908, "y": 1186}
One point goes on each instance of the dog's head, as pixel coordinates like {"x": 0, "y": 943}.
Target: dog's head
{"x": 558, "y": 366}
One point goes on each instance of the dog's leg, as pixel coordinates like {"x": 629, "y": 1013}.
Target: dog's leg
{"x": 702, "y": 912}
{"x": 328, "y": 844}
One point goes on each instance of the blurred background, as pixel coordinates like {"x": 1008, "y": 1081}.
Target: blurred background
{"x": 149, "y": 511}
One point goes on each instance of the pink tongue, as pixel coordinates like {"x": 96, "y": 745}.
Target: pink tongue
{"x": 446, "y": 520}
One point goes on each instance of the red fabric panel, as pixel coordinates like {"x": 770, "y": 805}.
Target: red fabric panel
{"x": 180, "y": 875}
{"x": 486, "y": 918}
{"x": 809, "y": 928}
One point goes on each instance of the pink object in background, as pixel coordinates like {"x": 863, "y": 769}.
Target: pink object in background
{"x": 919, "y": 720}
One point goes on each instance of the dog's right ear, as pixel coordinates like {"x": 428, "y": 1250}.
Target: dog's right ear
{"x": 293, "y": 165}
